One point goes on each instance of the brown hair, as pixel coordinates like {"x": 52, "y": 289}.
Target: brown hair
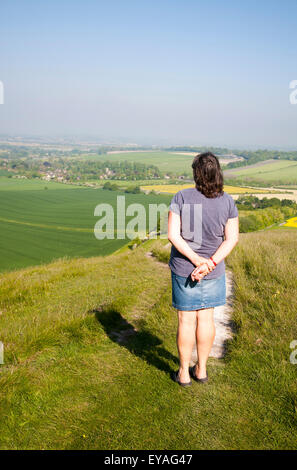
{"x": 208, "y": 175}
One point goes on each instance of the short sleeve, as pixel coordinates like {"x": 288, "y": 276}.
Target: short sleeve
{"x": 176, "y": 203}
{"x": 233, "y": 211}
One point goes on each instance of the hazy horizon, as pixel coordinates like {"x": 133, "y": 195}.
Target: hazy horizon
{"x": 151, "y": 73}
{"x": 94, "y": 140}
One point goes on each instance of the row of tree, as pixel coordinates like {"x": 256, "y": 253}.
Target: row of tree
{"x": 115, "y": 187}
{"x": 261, "y": 213}
{"x": 251, "y": 157}
{"x": 253, "y": 202}
{"x": 82, "y": 169}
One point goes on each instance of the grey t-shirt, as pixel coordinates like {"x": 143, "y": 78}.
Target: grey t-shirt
{"x": 203, "y": 222}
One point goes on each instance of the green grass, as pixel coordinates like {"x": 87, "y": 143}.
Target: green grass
{"x": 38, "y": 226}
{"x": 90, "y": 343}
{"x": 21, "y": 184}
{"x": 278, "y": 172}
{"x": 4, "y": 172}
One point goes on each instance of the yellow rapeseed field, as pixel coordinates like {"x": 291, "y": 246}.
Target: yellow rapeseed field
{"x": 174, "y": 188}
{"x": 291, "y": 222}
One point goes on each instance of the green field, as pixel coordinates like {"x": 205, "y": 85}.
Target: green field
{"x": 89, "y": 346}
{"x": 278, "y": 172}
{"x": 165, "y": 161}
{"x": 16, "y": 184}
{"x": 39, "y": 225}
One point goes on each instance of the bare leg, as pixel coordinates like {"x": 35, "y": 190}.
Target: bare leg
{"x": 185, "y": 341}
{"x": 205, "y": 334}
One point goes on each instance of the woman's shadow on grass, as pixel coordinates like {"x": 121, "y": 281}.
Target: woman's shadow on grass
{"x": 140, "y": 342}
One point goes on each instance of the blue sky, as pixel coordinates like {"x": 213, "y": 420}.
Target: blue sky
{"x": 159, "y": 71}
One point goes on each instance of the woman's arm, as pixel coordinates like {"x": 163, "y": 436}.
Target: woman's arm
{"x": 180, "y": 244}
{"x": 231, "y": 239}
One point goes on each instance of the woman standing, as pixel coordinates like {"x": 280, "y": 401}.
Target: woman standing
{"x": 203, "y": 230}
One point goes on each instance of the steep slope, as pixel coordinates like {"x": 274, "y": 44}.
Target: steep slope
{"x": 90, "y": 344}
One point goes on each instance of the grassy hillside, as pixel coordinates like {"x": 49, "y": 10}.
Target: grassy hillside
{"x": 90, "y": 343}
{"x": 273, "y": 172}
{"x": 38, "y": 225}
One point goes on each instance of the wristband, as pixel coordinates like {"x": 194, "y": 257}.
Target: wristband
{"x": 213, "y": 261}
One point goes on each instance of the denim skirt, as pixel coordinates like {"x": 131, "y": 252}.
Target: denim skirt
{"x": 193, "y": 295}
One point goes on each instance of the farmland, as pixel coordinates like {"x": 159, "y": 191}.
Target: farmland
{"x": 278, "y": 172}
{"x": 19, "y": 184}
{"x": 38, "y": 225}
{"x": 167, "y": 162}
{"x": 44, "y": 220}
{"x": 174, "y": 188}
{"x": 291, "y": 222}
